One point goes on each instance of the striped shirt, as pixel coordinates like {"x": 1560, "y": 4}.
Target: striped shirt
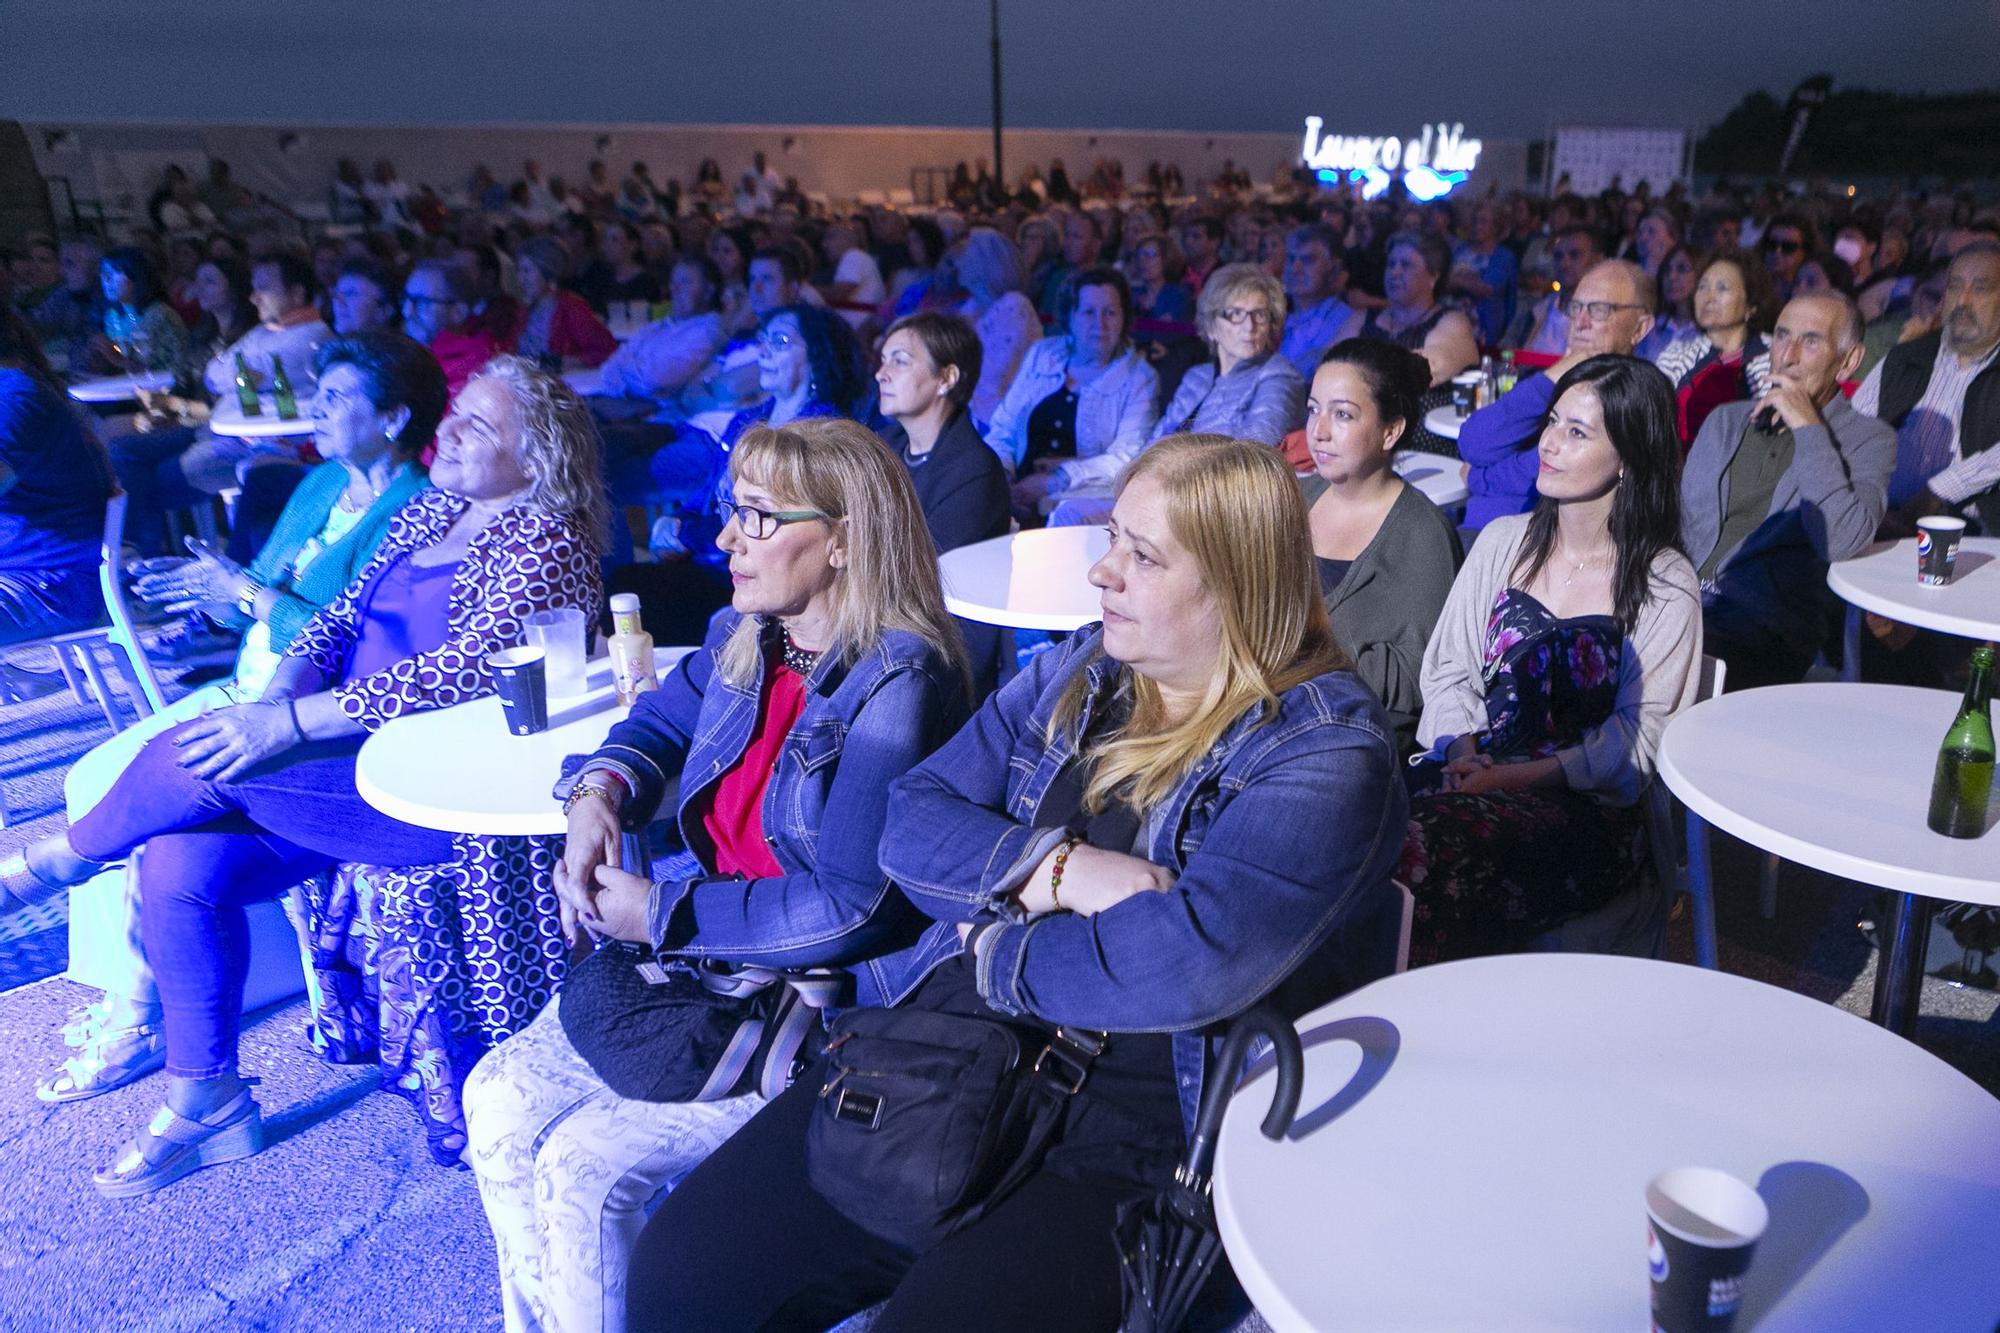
{"x": 1927, "y": 444}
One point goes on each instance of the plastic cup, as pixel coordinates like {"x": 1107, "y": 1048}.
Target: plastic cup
{"x": 1702, "y": 1228}
{"x": 521, "y": 679}
{"x": 1465, "y": 392}
{"x": 563, "y": 634}
{"x": 1937, "y": 548}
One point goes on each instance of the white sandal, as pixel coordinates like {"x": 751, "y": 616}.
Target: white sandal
{"x": 108, "y": 1060}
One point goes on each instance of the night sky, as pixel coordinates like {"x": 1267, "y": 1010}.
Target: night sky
{"x": 1507, "y": 68}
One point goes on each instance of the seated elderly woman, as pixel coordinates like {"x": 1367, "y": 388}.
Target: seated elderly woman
{"x": 1728, "y": 356}
{"x": 238, "y": 805}
{"x": 988, "y": 267}
{"x": 1246, "y": 392}
{"x": 1083, "y": 403}
{"x": 1096, "y": 848}
{"x": 834, "y": 672}
{"x": 554, "y": 327}
{"x": 1386, "y": 554}
{"x": 54, "y": 480}
{"x": 379, "y": 402}
{"x": 1415, "y": 265}
{"x": 1570, "y": 638}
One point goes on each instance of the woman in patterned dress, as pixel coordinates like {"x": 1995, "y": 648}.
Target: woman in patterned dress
{"x": 1570, "y": 638}
{"x": 236, "y": 806}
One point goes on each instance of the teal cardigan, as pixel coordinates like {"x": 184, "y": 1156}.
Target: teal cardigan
{"x": 305, "y": 515}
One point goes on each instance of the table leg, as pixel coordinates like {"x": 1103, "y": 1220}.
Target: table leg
{"x": 1899, "y": 970}
{"x": 1701, "y": 892}
{"x": 1850, "y": 645}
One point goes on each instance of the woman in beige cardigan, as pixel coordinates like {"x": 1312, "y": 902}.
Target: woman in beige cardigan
{"x": 1571, "y": 636}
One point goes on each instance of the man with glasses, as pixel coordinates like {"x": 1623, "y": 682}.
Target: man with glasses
{"x": 437, "y": 312}
{"x": 1543, "y": 328}
{"x": 1610, "y": 311}
{"x": 1778, "y": 487}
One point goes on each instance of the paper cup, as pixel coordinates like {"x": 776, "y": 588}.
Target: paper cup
{"x": 1465, "y": 392}
{"x": 1702, "y": 1227}
{"x": 1937, "y": 548}
{"x": 521, "y": 679}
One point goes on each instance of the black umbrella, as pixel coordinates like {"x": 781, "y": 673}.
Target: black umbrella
{"x": 1167, "y": 1244}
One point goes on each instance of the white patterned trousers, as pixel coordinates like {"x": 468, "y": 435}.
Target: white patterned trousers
{"x": 566, "y": 1168}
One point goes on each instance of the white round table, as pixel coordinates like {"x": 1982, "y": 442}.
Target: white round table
{"x": 121, "y": 388}
{"x": 228, "y": 419}
{"x": 1026, "y": 580}
{"x": 1443, "y": 421}
{"x": 1441, "y": 479}
{"x": 1497, "y": 1120}
{"x": 459, "y": 769}
{"x": 1837, "y": 776}
{"x": 1884, "y": 580}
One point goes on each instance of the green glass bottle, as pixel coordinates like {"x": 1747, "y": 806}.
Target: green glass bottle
{"x": 281, "y": 389}
{"x": 246, "y": 390}
{"x": 1964, "y": 778}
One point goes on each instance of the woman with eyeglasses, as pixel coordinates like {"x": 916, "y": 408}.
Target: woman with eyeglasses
{"x": 1247, "y": 391}
{"x": 834, "y": 672}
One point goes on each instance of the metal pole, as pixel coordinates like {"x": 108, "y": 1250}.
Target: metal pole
{"x": 999, "y": 158}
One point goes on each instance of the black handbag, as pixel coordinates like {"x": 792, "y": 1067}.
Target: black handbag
{"x": 675, "y": 1031}
{"x": 927, "y": 1120}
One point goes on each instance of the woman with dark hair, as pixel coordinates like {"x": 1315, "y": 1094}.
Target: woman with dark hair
{"x": 1414, "y": 265}
{"x": 1679, "y": 269}
{"x": 141, "y": 330}
{"x": 1386, "y": 554}
{"x": 221, "y": 290}
{"x": 1084, "y": 401}
{"x": 1727, "y": 357}
{"x": 240, "y": 804}
{"x": 553, "y": 327}
{"x": 619, "y": 273}
{"x": 379, "y": 401}
{"x": 1570, "y": 638}
{"x": 913, "y": 286}
{"x": 929, "y": 364}
{"x": 729, "y": 249}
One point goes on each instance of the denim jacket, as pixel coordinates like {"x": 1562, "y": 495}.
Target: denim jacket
{"x": 822, "y": 817}
{"x": 1114, "y": 412}
{"x": 1283, "y": 840}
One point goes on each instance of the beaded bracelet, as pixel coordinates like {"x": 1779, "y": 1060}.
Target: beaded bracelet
{"x": 1056, "y": 871}
{"x": 581, "y": 790}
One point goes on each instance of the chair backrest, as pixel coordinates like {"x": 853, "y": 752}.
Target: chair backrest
{"x": 1714, "y": 671}
{"x": 1409, "y": 901}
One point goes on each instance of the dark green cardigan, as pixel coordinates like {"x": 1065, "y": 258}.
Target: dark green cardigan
{"x": 305, "y": 515}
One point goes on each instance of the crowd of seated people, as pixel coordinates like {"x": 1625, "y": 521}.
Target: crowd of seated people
{"x": 850, "y": 796}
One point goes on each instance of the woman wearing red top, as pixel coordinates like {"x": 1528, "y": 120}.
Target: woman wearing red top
{"x": 554, "y": 326}
{"x": 834, "y": 672}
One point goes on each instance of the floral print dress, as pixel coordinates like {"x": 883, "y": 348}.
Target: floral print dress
{"x": 1492, "y": 871}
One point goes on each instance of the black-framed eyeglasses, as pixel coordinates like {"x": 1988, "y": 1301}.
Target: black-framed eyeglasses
{"x": 1784, "y": 247}
{"x": 1239, "y": 315}
{"x": 757, "y": 524}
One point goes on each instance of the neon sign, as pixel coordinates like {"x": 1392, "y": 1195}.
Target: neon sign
{"x": 1433, "y": 164}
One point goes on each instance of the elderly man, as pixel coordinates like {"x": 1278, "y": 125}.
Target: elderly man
{"x": 1941, "y": 393}
{"x": 1315, "y": 278}
{"x": 1544, "y": 326}
{"x": 437, "y": 312}
{"x": 667, "y": 355}
{"x": 1777, "y": 488}
{"x": 1611, "y": 311}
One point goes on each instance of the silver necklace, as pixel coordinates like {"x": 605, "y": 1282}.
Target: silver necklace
{"x": 1577, "y": 566}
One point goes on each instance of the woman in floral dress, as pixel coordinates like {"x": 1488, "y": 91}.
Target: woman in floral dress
{"x": 1571, "y": 636}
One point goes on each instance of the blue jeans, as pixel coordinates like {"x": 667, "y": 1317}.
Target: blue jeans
{"x": 35, "y": 603}
{"x": 213, "y": 848}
